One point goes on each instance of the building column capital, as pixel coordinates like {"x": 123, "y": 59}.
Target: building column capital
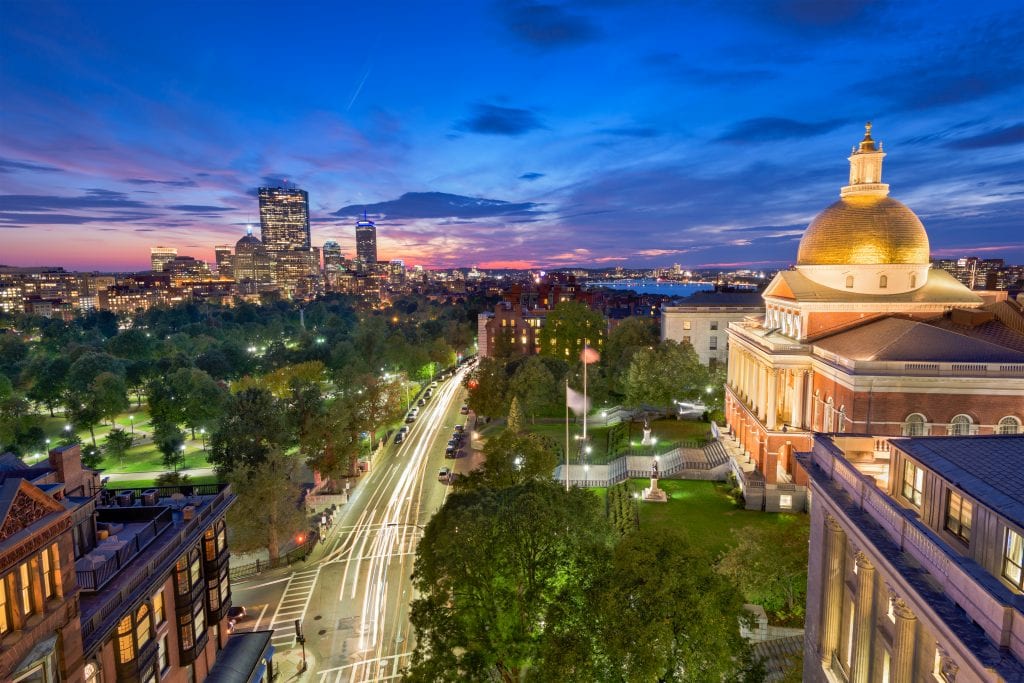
{"x": 862, "y": 560}
{"x": 832, "y": 523}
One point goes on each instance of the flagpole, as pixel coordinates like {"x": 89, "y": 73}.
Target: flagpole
{"x": 585, "y": 406}
{"x": 566, "y": 433}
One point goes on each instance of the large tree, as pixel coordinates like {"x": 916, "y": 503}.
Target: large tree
{"x": 534, "y": 386}
{"x": 267, "y": 512}
{"x": 567, "y": 327}
{"x": 493, "y": 568}
{"x": 625, "y": 339}
{"x": 46, "y": 376}
{"x": 254, "y": 425}
{"x": 116, "y": 444}
{"x": 488, "y": 388}
{"x": 514, "y": 458}
{"x": 670, "y": 371}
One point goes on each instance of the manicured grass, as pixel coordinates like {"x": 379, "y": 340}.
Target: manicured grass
{"x": 54, "y": 426}
{"x": 667, "y": 432}
{"x": 147, "y": 458}
{"x": 705, "y": 512}
{"x": 149, "y": 483}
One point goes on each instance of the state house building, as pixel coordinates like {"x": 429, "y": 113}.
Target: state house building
{"x": 864, "y": 337}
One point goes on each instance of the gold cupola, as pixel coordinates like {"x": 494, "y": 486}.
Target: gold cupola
{"x": 866, "y": 241}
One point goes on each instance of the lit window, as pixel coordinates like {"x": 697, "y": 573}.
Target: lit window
{"x": 5, "y": 623}
{"x": 1013, "y": 559}
{"x": 913, "y": 482}
{"x": 27, "y": 607}
{"x": 960, "y": 425}
{"x": 958, "y": 516}
{"x": 213, "y": 588}
{"x": 187, "y": 640}
{"x": 142, "y": 631}
{"x": 210, "y": 545}
{"x": 1008, "y": 425}
{"x": 125, "y": 647}
{"x": 914, "y": 425}
{"x": 48, "y": 577}
{"x": 200, "y": 621}
{"x": 158, "y": 607}
{"x": 194, "y": 569}
{"x": 181, "y": 575}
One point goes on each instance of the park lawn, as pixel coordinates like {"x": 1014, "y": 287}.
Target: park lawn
{"x": 147, "y": 458}
{"x": 149, "y": 483}
{"x": 54, "y": 426}
{"x": 667, "y": 432}
{"x": 706, "y": 513}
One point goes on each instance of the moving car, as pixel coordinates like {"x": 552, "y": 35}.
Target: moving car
{"x": 444, "y": 475}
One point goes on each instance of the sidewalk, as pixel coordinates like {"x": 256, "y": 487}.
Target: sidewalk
{"x": 134, "y": 476}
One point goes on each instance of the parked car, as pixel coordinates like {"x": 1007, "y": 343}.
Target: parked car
{"x": 411, "y": 417}
{"x": 464, "y": 410}
{"x": 399, "y": 437}
{"x": 449, "y": 452}
{"x": 460, "y": 429}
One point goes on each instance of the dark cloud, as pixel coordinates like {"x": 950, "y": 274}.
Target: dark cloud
{"x": 631, "y": 131}
{"x": 970, "y": 64}
{"x": 1000, "y": 137}
{"x": 818, "y": 14}
{"x": 412, "y": 205}
{"x": 185, "y": 182}
{"x": 547, "y": 26}
{"x": 531, "y": 176}
{"x": 92, "y": 199}
{"x": 769, "y": 129}
{"x": 27, "y": 219}
{"x": 199, "y": 208}
{"x": 13, "y": 165}
{"x": 491, "y": 119}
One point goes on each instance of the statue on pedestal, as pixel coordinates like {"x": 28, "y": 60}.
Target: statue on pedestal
{"x": 653, "y": 493}
{"x": 648, "y": 439}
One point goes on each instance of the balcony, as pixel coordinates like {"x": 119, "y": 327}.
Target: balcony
{"x": 131, "y": 531}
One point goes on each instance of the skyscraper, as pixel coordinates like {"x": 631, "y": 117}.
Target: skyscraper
{"x": 251, "y": 263}
{"x": 222, "y": 255}
{"x": 284, "y": 218}
{"x": 366, "y": 241}
{"x": 160, "y": 257}
{"x": 334, "y": 263}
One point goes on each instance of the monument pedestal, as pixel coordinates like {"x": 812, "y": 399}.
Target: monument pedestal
{"x": 652, "y": 494}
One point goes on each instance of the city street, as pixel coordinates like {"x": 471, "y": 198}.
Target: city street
{"x": 353, "y": 597}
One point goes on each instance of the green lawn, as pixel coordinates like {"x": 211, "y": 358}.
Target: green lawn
{"x": 667, "y": 433}
{"x": 149, "y": 483}
{"x": 148, "y": 459}
{"x": 54, "y": 426}
{"x": 706, "y": 513}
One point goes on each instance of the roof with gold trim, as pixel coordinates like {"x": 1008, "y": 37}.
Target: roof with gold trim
{"x": 941, "y": 288}
{"x": 864, "y": 230}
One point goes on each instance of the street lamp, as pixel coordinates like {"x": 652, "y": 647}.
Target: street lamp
{"x": 202, "y": 434}
{"x": 131, "y": 418}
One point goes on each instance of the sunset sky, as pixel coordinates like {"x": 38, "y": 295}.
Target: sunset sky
{"x": 585, "y": 133}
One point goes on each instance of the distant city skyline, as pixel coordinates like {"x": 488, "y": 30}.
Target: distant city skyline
{"x": 543, "y": 135}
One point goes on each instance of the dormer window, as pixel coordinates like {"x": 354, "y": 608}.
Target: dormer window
{"x": 883, "y": 282}
{"x": 913, "y": 483}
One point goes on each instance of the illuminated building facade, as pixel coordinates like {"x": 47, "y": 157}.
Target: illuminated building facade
{"x": 916, "y": 559}
{"x": 334, "y": 265}
{"x": 160, "y": 257}
{"x": 186, "y": 270}
{"x": 222, "y": 257}
{"x": 284, "y": 218}
{"x": 366, "y": 242}
{"x": 863, "y": 337}
{"x": 251, "y": 263}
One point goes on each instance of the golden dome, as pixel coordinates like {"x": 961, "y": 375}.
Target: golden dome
{"x": 864, "y": 230}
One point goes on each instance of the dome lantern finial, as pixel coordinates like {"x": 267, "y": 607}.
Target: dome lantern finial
{"x": 866, "y": 168}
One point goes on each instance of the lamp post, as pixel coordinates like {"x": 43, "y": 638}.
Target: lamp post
{"x": 202, "y": 434}
{"x": 131, "y": 419}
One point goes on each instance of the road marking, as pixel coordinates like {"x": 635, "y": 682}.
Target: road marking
{"x": 299, "y": 588}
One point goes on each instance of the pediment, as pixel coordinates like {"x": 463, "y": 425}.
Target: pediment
{"x": 778, "y": 287}
{"x": 21, "y": 505}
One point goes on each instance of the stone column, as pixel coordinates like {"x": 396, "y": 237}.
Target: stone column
{"x": 798, "y": 399}
{"x": 864, "y": 621}
{"x": 772, "y": 413}
{"x": 832, "y": 600}
{"x": 762, "y": 391}
{"x": 902, "y": 668}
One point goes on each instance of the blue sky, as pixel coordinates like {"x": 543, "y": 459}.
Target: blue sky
{"x": 582, "y": 133}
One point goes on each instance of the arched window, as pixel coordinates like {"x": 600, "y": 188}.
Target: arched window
{"x": 914, "y": 425}
{"x": 142, "y": 632}
{"x": 1009, "y": 425}
{"x": 829, "y": 416}
{"x": 960, "y": 425}
{"x": 849, "y": 282}
{"x": 913, "y": 280}
{"x": 883, "y": 282}
{"x": 125, "y": 645}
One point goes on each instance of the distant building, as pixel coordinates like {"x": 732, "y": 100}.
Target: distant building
{"x": 510, "y": 329}
{"x": 916, "y": 565}
{"x": 366, "y": 241}
{"x": 396, "y": 272}
{"x": 186, "y": 270}
{"x": 702, "y": 320}
{"x": 978, "y": 273}
{"x": 251, "y": 263}
{"x": 160, "y": 257}
{"x": 284, "y": 218}
{"x": 334, "y": 265}
{"x": 222, "y": 255}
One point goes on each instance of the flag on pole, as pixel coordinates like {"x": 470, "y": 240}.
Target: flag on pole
{"x": 579, "y": 403}
{"x": 589, "y": 355}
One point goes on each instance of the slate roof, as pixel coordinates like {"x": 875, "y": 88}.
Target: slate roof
{"x": 987, "y": 468}
{"x": 899, "y": 339}
{"x": 240, "y": 658}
